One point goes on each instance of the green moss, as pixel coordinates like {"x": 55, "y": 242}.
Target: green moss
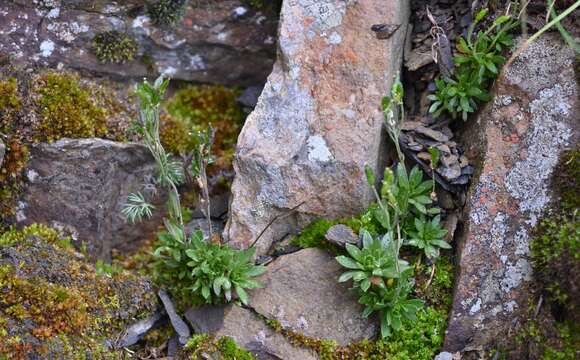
{"x": 420, "y": 340}
{"x": 11, "y": 175}
{"x": 51, "y": 302}
{"x": 114, "y": 47}
{"x": 437, "y": 291}
{"x": 196, "y": 108}
{"x": 166, "y": 12}
{"x": 10, "y": 103}
{"x": 68, "y": 109}
{"x": 49, "y": 235}
{"x": 313, "y": 235}
{"x": 559, "y": 341}
{"x": 555, "y": 247}
{"x": 225, "y": 348}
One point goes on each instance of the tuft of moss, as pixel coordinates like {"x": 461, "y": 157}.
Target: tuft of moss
{"x": 11, "y": 175}
{"x": 67, "y": 109}
{"x": 50, "y": 235}
{"x": 224, "y": 348}
{"x": 420, "y": 340}
{"x": 166, "y": 12}
{"x": 114, "y": 47}
{"x": 55, "y": 305}
{"x": 10, "y": 103}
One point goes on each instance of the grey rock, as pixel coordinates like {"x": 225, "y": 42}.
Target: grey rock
{"x": 248, "y": 331}
{"x": 302, "y": 151}
{"x": 537, "y": 96}
{"x": 217, "y": 226}
{"x": 210, "y": 44}
{"x": 207, "y": 318}
{"x": 302, "y": 293}
{"x": 444, "y": 356}
{"x": 341, "y": 235}
{"x": 82, "y": 185}
{"x": 433, "y": 134}
{"x": 249, "y": 97}
{"x": 177, "y": 322}
{"x": 136, "y": 331}
{"x": 451, "y": 172}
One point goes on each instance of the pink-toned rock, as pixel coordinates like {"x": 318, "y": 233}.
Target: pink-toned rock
{"x": 223, "y": 41}
{"x": 302, "y": 151}
{"x": 520, "y": 136}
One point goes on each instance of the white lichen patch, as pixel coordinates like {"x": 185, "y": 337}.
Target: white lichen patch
{"x": 515, "y": 274}
{"x": 46, "y": 48}
{"x": 529, "y": 179}
{"x": 474, "y": 309}
{"x": 67, "y": 31}
{"x": 317, "y": 149}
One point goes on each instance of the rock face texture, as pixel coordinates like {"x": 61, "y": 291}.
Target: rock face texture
{"x": 222, "y": 41}
{"x": 519, "y": 136}
{"x": 333, "y": 312}
{"x": 301, "y": 152}
{"x": 81, "y": 185}
{"x": 248, "y": 331}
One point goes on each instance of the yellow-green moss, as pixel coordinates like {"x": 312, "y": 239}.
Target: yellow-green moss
{"x": 114, "y": 47}
{"x": 68, "y": 109}
{"x": 166, "y": 12}
{"x": 196, "y": 107}
{"x": 555, "y": 247}
{"x": 420, "y": 340}
{"x": 225, "y": 348}
{"x": 11, "y": 174}
{"x": 49, "y": 235}
{"x": 52, "y": 302}
{"x": 10, "y": 103}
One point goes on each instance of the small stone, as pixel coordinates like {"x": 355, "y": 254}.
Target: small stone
{"x": 449, "y": 173}
{"x": 444, "y": 148}
{"x": 410, "y": 125}
{"x": 433, "y": 134}
{"x": 449, "y": 160}
{"x": 177, "y": 322}
{"x": 424, "y": 156}
{"x": 450, "y": 224}
{"x": 134, "y": 333}
{"x": 341, "y": 235}
{"x": 461, "y": 180}
{"x": 444, "y": 356}
{"x": 463, "y": 161}
{"x": 418, "y": 58}
{"x": 467, "y": 170}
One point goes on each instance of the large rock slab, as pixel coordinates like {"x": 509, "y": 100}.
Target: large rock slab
{"x": 519, "y": 136}
{"x": 223, "y": 41}
{"x": 247, "y": 330}
{"x": 82, "y": 185}
{"x": 318, "y": 119}
{"x": 302, "y": 293}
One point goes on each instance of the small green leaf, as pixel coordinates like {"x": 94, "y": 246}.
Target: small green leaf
{"x": 347, "y": 262}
